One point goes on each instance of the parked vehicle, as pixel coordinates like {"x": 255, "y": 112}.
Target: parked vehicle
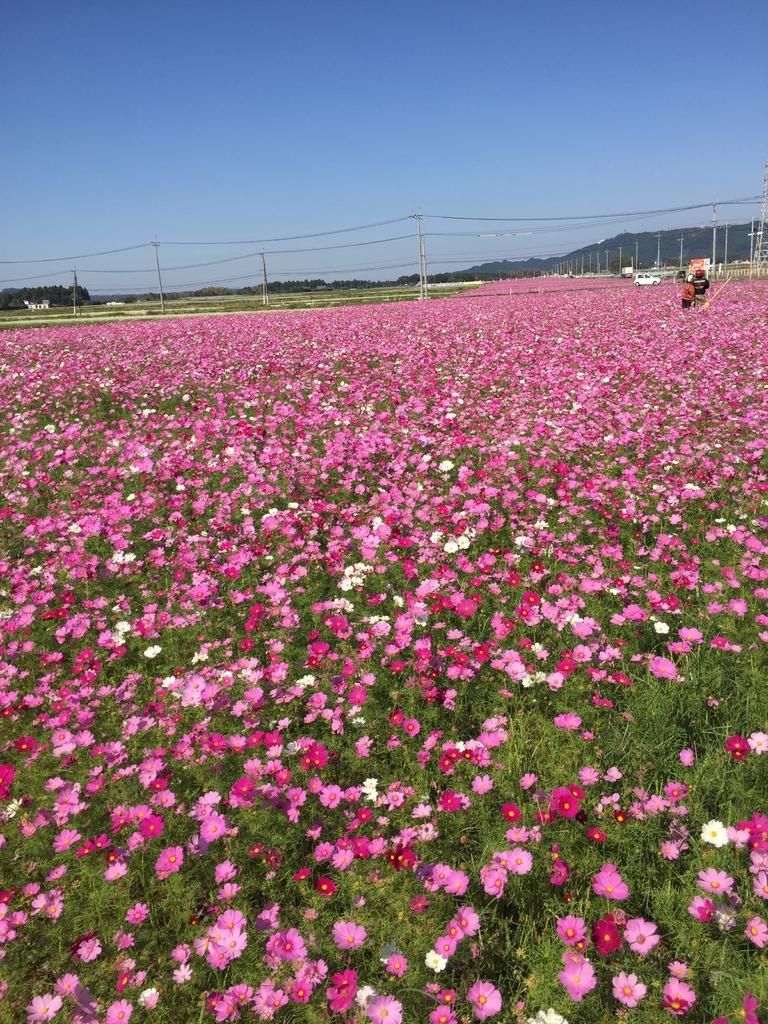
{"x": 643, "y": 279}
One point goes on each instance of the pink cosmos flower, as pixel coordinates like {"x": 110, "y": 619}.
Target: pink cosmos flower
{"x": 627, "y": 989}
{"x": 397, "y": 965}
{"x": 678, "y": 969}
{"x": 119, "y": 1012}
{"x": 43, "y": 1008}
{"x": 66, "y": 839}
{"x": 757, "y": 931}
{"x": 213, "y": 827}
{"x": 384, "y": 1010}
{"x": 468, "y": 920}
{"x": 571, "y": 930}
{"x": 288, "y": 945}
{"x": 485, "y": 999}
{"x": 519, "y": 861}
{"x": 662, "y": 668}
{"x": 641, "y": 935}
{"x": 445, "y": 945}
{"x": 568, "y": 721}
{"x": 687, "y": 757}
{"x": 718, "y": 882}
{"x": 169, "y": 861}
{"x": 577, "y": 977}
{"x": 137, "y": 913}
{"x": 760, "y": 884}
{"x": 348, "y": 935}
{"x": 608, "y": 883}
{"x": 678, "y": 997}
{"x": 67, "y": 984}
{"x": 89, "y": 950}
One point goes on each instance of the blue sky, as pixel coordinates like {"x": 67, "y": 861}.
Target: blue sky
{"x": 252, "y": 120}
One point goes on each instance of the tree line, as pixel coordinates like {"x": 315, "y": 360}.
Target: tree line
{"x": 57, "y": 295}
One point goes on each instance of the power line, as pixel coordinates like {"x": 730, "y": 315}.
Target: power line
{"x": 82, "y": 256}
{"x": 293, "y": 238}
{"x": 599, "y": 216}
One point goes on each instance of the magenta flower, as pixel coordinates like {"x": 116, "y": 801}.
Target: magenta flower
{"x": 485, "y": 999}
{"x": 341, "y": 994}
{"x": 627, "y": 989}
{"x": 384, "y": 1010}
{"x": 151, "y": 826}
{"x": 169, "y": 861}
{"x": 137, "y": 913}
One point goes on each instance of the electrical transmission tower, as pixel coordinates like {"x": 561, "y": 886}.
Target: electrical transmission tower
{"x": 760, "y": 259}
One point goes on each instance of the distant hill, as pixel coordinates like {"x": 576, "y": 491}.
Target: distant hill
{"x": 696, "y": 242}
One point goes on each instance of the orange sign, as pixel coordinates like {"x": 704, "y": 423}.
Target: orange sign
{"x": 700, "y": 264}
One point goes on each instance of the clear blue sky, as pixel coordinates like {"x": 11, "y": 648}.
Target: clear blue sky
{"x": 238, "y": 120}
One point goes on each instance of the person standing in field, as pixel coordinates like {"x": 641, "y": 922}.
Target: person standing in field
{"x": 700, "y": 286}
{"x": 689, "y": 292}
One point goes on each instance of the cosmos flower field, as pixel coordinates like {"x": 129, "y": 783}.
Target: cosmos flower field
{"x": 388, "y": 664}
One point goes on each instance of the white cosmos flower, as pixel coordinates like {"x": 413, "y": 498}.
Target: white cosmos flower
{"x": 450, "y": 547}
{"x": 715, "y": 833}
{"x": 435, "y": 962}
{"x": 364, "y": 994}
{"x": 547, "y": 1017}
{"x": 661, "y": 627}
{"x": 758, "y": 742}
{"x": 152, "y": 652}
{"x": 445, "y": 466}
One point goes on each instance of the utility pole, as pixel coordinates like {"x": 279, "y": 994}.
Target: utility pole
{"x": 75, "y": 303}
{"x": 714, "y": 235}
{"x": 761, "y": 245}
{"x": 590, "y": 263}
{"x": 751, "y": 245}
{"x": 725, "y": 255}
{"x": 637, "y": 261}
{"x": 681, "y": 251}
{"x": 422, "y": 258}
{"x": 264, "y": 293}
{"x": 658, "y": 250}
{"x": 159, "y": 278}
{"x": 424, "y": 263}
{"x": 606, "y": 261}
{"x": 620, "y": 248}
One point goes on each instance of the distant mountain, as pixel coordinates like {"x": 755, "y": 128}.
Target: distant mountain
{"x": 696, "y": 242}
